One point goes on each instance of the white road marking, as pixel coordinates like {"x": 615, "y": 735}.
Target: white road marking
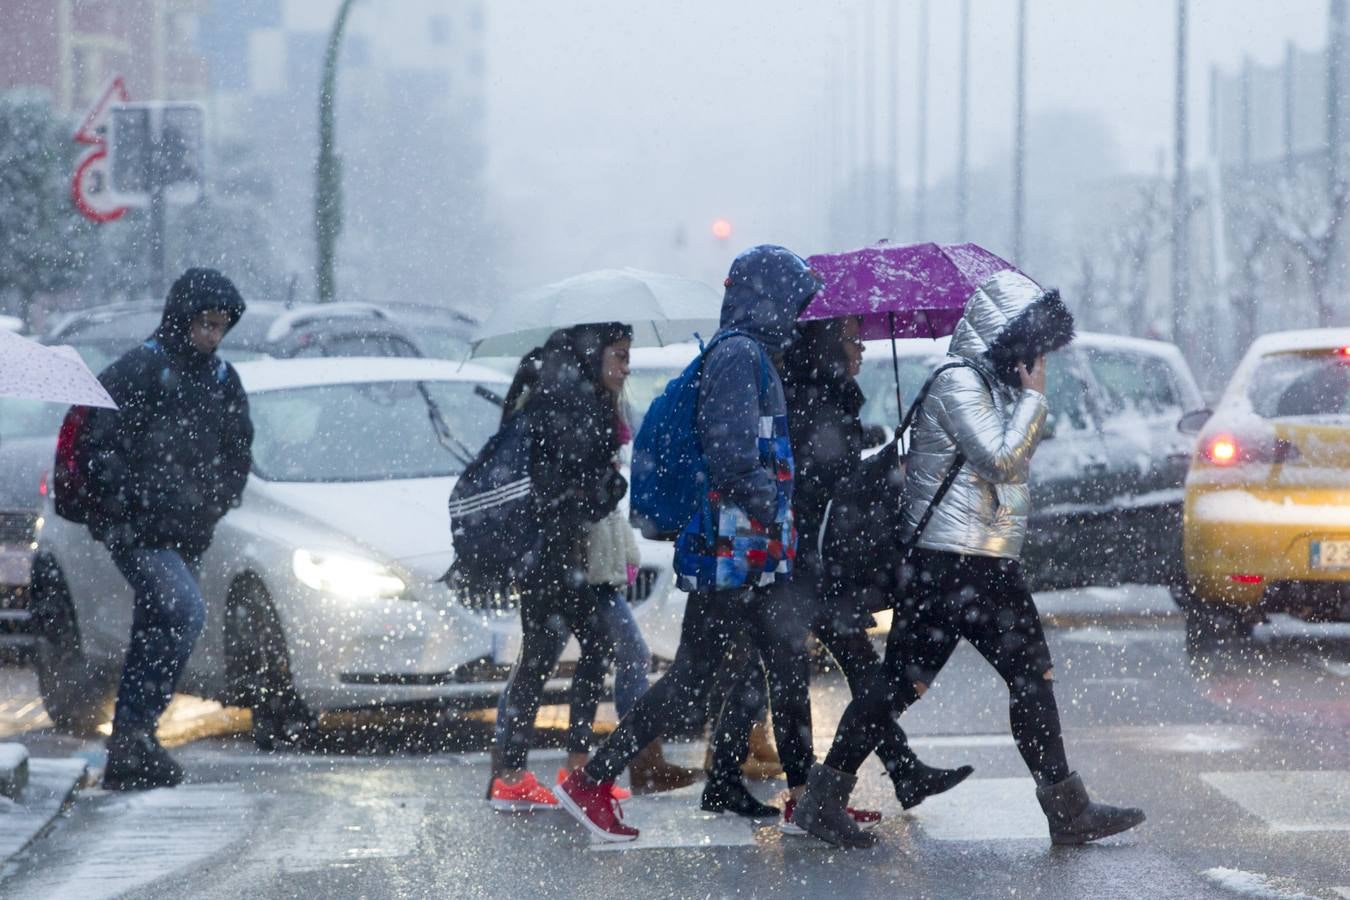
{"x": 985, "y": 809}
{"x": 1337, "y": 668}
{"x": 381, "y": 827}
{"x": 146, "y": 837}
{"x": 1121, "y": 637}
{"x": 1253, "y": 884}
{"x": 673, "y": 819}
{"x": 1289, "y": 801}
{"x": 962, "y": 740}
{"x": 1203, "y": 742}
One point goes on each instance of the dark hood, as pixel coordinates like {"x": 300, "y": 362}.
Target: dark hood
{"x": 196, "y": 291}
{"x": 766, "y": 289}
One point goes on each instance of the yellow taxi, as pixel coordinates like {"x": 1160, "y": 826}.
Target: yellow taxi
{"x": 1267, "y": 509}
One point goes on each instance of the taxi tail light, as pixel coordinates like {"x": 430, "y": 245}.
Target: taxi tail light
{"x": 1231, "y": 450}
{"x": 1247, "y": 579}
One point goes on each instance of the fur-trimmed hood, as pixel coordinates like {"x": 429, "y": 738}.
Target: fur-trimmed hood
{"x": 1011, "y": 319}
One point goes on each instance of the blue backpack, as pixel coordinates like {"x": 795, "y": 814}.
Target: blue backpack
{"x": 494, "y": 520}
{"x": 669, "y": 474}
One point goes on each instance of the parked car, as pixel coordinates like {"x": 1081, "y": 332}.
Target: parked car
{"x": 330, "y": 572}
{"x": 1267, "y": 521}
{"x": 101, "y": 334}
{"x": 1107, "y": 481}
{"x": 441, "y": 332}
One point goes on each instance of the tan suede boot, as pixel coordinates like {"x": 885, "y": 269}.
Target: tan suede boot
{"x": 762, "y": 762}
{"x": 650, "y": 773}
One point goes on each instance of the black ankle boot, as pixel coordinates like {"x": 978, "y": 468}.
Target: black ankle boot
{"x": 733, "y": 797}
{"x": 136, "y": 762}
{"x": 1075, "y": 819}
{"x": 919, "y": 782}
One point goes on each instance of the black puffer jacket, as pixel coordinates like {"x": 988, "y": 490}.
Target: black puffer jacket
{"x": 174, "y": 458}
{"x": 574, "y": 426}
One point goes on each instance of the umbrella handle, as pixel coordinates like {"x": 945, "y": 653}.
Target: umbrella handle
{"x": 895, "y": 366}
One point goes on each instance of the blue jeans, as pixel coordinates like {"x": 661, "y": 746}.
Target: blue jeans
{"x": 165, "y": 623}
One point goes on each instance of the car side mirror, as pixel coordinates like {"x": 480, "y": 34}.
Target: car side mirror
{"x": 874, "y": 436}
{"x": 1193, "y": 421}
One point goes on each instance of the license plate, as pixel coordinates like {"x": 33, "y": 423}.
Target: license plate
{"x": 1331, "y": 554}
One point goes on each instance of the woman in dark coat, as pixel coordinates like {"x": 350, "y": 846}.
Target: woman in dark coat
{"x": 823, "y": 402}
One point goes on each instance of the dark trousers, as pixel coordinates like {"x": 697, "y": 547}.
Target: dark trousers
{"x": 546, "y": 616}
{"x": 948, "y": 597}
{"x": 167, "y": 618}
{"x": 769, "y": 622}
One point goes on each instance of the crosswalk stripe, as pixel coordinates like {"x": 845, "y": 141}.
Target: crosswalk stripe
{"x": 984, "y": 809}
{"x": 1289, "y": 801}
{"x": 673, "y": 819}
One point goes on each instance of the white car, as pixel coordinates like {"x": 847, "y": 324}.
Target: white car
{"x": 328, "y": 574}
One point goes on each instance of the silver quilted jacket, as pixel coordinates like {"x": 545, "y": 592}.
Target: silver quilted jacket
{"x": 985, "y": 511}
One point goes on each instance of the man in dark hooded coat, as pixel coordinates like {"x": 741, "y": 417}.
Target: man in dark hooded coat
{"x": 164, "y": 468}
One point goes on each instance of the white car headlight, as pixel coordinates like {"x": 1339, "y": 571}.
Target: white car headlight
{"x": 349, "y": 577}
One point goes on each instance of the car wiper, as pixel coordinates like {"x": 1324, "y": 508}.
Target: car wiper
{"x": 492, "y": 397}
{"x": 444, "y": 436}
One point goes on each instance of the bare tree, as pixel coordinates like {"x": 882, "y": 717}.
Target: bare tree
{"x": 1305, "y": 212}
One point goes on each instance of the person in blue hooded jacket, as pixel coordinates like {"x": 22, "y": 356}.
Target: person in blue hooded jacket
{"x": 736, "y": 557}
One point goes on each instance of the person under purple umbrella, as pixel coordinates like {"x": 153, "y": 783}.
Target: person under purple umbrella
{"x": 966, "y": 502}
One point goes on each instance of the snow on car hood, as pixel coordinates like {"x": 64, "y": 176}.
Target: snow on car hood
{"x": 403, "y": 521}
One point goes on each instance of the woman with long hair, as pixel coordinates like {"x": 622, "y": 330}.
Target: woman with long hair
{"x": 571, "y": 389}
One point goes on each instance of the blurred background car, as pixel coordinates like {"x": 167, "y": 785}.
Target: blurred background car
{"x": 1267, "y": 521}
{"x": 1107, "y": 481}
{"x": 103, "y": 333}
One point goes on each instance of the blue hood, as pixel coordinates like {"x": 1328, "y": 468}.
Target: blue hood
{"x": 766, "y": 289}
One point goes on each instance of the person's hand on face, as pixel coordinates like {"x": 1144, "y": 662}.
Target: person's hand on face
{"x": 1033, "y": 379}
{"x": 207, "y": 330}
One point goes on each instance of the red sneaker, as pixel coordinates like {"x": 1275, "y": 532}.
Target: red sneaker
{"x": 594, "y": 806}
{"x": 865, "y": 818}
{"x": 617, "y": 792}
{"x": 523, "y": 796}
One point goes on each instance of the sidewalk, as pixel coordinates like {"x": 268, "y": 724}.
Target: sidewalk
{"x": 35, "y": 790}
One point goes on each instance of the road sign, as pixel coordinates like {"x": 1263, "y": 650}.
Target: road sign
{"x": 90, "y": 188}
{"x": 156, "y": 147}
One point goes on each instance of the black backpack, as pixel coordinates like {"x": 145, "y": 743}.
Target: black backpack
{"x": 494, "y": 517}
{"x": 861, "y": 539}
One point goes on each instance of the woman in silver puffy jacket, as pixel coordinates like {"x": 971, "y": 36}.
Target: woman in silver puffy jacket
{"x": 982, "y": 421}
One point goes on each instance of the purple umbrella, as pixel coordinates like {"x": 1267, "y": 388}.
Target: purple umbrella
{"x": 910, "y": 290}
{"x": 901, "y": 290}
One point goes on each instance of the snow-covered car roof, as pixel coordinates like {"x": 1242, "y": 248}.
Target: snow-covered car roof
{"x": 671, "y": 356}
{"x": 276, "y": 374}
{"x": 1306, "y": 339}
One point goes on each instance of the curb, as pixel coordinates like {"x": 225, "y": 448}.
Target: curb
{"x": 51, "y": 784}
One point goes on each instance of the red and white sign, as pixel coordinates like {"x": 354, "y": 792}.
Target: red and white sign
{"x": 91, "y": 189}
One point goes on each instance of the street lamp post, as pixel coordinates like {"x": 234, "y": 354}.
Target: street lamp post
{"x": 328, "y": 169}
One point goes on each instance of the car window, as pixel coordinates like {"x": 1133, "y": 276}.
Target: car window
{"x": 1066, "y": 395}
{"x": 365, "y": 345}
{"x": 1301, "y": 384}
{"x": 366, "y": 432}
{"x": 1134, "y": 382}
{"x": 877, "y": 380}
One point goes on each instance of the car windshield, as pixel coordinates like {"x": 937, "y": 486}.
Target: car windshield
{"x": 372, "y": 431}
{"x": 1301, "y": 384}
{"x": 1134, "y": 382}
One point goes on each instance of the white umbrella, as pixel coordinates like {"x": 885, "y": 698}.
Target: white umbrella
{"x": 663, "y": 309}
{"x": 33, "y": 371}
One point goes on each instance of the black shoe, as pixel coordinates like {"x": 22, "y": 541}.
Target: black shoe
{"x": 733, "y": 797}
{"x": 1075, "y": 819}
{"x": 136, "y": 762}
{"x": 920, "y": 782}
{"x": 823, "y": 809}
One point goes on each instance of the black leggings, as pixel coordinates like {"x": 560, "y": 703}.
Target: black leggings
{"x": 984, "y": 600}
{"x": 770, "y": 622}
{"x": 546, "y": 616}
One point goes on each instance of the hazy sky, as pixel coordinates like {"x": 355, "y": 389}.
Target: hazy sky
{"x": 619, "y": 128}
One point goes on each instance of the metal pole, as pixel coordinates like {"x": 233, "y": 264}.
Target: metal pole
{"x": 893, "y": 124}
{"x": 154, "y": 180}
{"x": 1289, "y": 109}
{"x": 895, "y": 367}
{"x": 1181, "y": 193}
{"x": 1020, "y": 137}
{"x": 921, "y": 134}
{"x": 963, "y": 130}
{"x": 328, "y": 168}
{"x": 869, "y": 117}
